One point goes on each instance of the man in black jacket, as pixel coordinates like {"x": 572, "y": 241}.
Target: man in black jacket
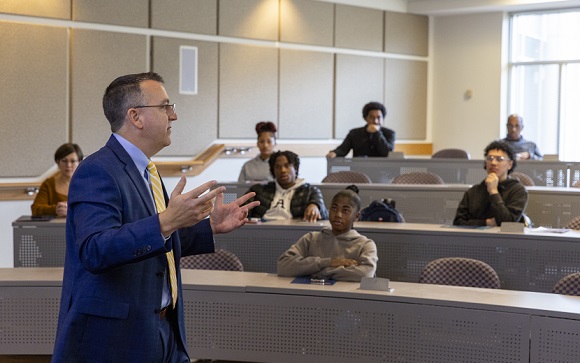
{"x": 498, "y": 198}
{"x": 370, "y": 140}
{"x": 288, "y": 197}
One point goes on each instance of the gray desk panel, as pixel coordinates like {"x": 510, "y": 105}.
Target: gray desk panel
{"x": 257, "y": 317}
{"x": 280, "y": 328}
{"x": 554, "y": 340}
{"x": 29, "y": 316}
{"x": 42, "y": 244}
{"x": 547, "y": 206}
{"x": 526, "y": 262}
{"x": 452, "y": 171}
{"x": 39, "y": 243}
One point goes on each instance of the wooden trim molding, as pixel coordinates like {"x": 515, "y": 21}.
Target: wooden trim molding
{"x": 18, "y": 191}
{"x": 195, "y": 166}
{"x": 415, "y": 149}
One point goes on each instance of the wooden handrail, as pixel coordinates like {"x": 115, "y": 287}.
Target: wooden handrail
{"x": 18, "y": 191}
{"x": 195, "y": 166}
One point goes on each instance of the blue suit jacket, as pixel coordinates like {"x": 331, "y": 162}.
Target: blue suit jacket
{"x": 115, "y": 263}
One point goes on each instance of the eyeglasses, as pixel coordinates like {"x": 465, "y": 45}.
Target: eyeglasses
{"x": 497, "y": 158}
{"x": 169, "y": 108}
{"x": 67, "y": 161}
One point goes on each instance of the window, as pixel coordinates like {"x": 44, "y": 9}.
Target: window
{"x": 545, "y": 79}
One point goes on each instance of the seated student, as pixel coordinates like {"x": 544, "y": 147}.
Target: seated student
{"x": 498, "y": 198}
{"x": 258, "y": 168}
{"x": 339, "y": 252}
{"x": 287, "y": 197}
{"x": 369, "y": 140}
{"x": 52, "y": 196}
{"x": 523, "y": 148}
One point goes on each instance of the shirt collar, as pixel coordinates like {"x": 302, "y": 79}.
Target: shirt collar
{"x": 139, "y": 158}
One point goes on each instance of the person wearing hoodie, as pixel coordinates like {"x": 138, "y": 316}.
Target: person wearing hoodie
{"x": 338, "y": 252}
{"x": 498, "y": 198}
{"x": 288, "y": 197}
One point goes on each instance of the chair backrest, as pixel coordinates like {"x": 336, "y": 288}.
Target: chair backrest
{"x": 451, "y": 154}
{"x": 347, "y": 177}
{"x": 568, "y": 285}
{"x": 220, "y": 260}
{"x": 524, "y": 179}
{"x": 574, "y": 223}
{"x": 418, "y": 178}
{"x": 460, "y": 271}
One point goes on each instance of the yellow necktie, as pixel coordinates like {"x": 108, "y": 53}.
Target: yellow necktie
{"x": 160, "y": 204}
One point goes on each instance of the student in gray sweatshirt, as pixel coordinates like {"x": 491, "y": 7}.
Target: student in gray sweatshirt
{"x": 339, "y": 252}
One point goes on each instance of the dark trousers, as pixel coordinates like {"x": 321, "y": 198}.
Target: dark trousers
{"x": 173, "y": 350}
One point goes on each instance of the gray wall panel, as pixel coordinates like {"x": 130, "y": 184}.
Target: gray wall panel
{"x": 239, "y": 85}
{"x": 306, "y": 82}
{"x": 406, "y": 97}
{"x": 359, "y": 80}
{"x": 248, "y": 91}
{"x": 34, "y": 97}
{"x": 307, "y": 22}
{"x": 359, "y": 28}
{"x": 199, "y": 16}
{"x": 406, "y": 34}
{"x": 196, "y": 126}
{"x": 126, "y": 12}
{"x": 256, "y": 19}
{"x": 54, "y": 9}
{"x": 97, "y": 59}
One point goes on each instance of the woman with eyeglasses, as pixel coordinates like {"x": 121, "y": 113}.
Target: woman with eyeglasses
{"x": 498, "y": 198}
{"x": 52, "y": 196}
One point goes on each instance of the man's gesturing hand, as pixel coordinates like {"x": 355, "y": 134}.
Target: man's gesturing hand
{"x": 187, "y": 209}
{"x": 227, "y": 217}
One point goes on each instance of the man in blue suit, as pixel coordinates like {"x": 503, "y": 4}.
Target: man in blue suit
{"x": 116, "y": 303}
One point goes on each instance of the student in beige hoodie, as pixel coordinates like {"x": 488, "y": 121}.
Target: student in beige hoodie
{"x": 339, "y": 252}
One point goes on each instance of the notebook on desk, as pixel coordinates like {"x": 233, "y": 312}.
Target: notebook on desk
{"x": 35, "y": 218}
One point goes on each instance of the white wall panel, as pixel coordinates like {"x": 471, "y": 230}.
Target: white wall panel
{"x": 306, "y": 83}
{"x": 359, "y": 80}
{"x": 248, "y": 91}
{"x": 34, "y": 97}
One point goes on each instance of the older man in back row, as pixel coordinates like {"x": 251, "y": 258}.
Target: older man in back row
{"x": 524, "y": 149}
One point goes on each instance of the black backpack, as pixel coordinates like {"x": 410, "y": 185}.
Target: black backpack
{"x": 381, "y": 211}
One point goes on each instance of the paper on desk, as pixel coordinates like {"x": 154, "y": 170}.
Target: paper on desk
{"x": 547, "y": 230}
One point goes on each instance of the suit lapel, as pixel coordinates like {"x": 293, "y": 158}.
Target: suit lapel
{"x": 132, "y": 173}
